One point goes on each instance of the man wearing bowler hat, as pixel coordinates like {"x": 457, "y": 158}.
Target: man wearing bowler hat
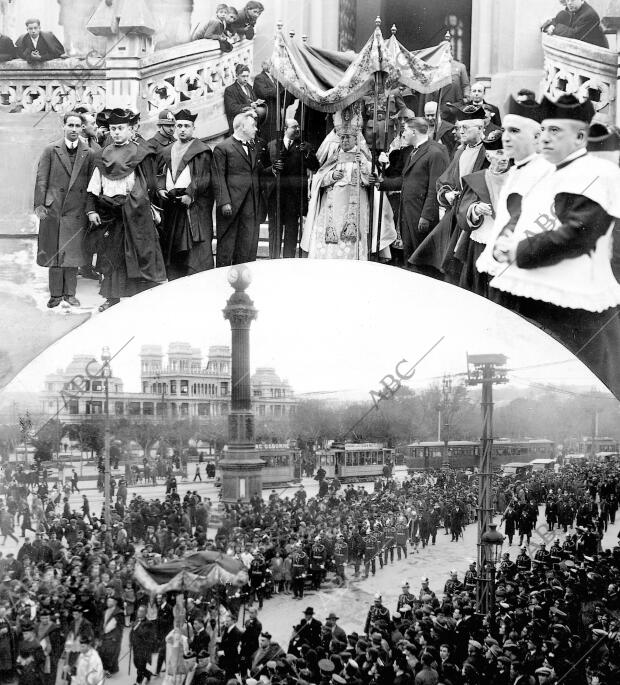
{"x": 184, "y": 185}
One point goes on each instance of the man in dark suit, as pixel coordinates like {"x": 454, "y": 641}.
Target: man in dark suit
{"x": 265, "y": 88}
{"x": 476, "y": 98}
{"x": 419, "y": 209}
{"x": 309, "y": 631}
{"x": 38, "y": 46}
{"x": 165, "y": 622}
{"x": 239, "y": 96}
{"x": 63, "y": 173}
{"x": 141, "y": 638}
{"x": 238, "y": 164}
{"x": 201, "y": 637}
{"x": 579, "y": 21}
{"x": 228, "y": 652}
{"x": 291, "y": 158}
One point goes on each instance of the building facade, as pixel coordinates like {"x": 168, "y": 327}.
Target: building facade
{"x": 178, "y": 385}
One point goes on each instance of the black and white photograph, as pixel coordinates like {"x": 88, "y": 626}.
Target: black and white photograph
{"x": 296, "y": 296}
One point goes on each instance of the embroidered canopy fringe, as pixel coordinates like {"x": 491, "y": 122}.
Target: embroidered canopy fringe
{"x": 328, "y": 81}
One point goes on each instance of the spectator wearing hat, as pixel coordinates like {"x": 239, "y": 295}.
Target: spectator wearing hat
{"x": 119, "y": 206}
{"x": 142, "y": 643}
{"x": 309, "y": 630}
{"x": 89, "y": 667}
{"x": 28, "y": 669}
{"x": 78, "y": 626}
{"x": 268, "y": 651}
{"x": 185, "y": 187}
{"x": 559, "y": 274}
{"x": 49, "y": 635}
{"x": 111, "y": 634}
{"x": 228, "y": 647}
{"x": 376, "y": 613}
{"x": 8, "y": 645}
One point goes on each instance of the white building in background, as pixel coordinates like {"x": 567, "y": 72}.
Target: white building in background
{"x": 178, "y": 385}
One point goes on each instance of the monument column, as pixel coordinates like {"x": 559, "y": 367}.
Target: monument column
{"x": 241, "y": 468}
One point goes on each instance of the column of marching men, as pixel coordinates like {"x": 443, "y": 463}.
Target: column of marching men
{"x": 67, "y": 597}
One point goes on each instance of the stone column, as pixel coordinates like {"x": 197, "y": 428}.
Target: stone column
{"x": 241, "y": 468}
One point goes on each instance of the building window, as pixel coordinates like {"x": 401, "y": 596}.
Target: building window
{"x": 134, "y": 409}
{"x": 185, "y": 409}
{"x": 184, "y": 387}
{"x": 224, "y": 389}
{"x": 148, "y": 409}
{"x": 97, "y": 386}
{"x": 145, "y": 387}
{"x": 173, "y": 387}
{"x": 94, "y": 407}
{"x": 224, "y": 407}
{"x": 258, "y": 393}
{"x": 73, "y": 407}
{"x": 119, "y": 408}
{"x": 261, "y": 410}
{"x": 203, "y": 409}
{"x": 455, "y": 28}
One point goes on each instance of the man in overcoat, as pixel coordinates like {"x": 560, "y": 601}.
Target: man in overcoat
{"x": 62, "y": 177}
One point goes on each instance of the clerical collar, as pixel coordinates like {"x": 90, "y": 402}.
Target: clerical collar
{"x": 582, "y": 152}
{"x": 524, "y": 162}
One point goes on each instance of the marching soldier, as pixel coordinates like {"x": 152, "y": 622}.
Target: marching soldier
{"x": 471, "y": 577}
{"x": 299, "y": 571}
{"x": 405, "y": 603}
{"x": 425, "y": 589}
{"x": 318, "y": 557}
{"x": 542, "y": 555}
{"x": 402, "y": 532}
{"x": 524, "y": 563}
{"x": 507, "y": 567}
{"x": 390, "y": 541}
{"x": 341, "y": 555}
{"x": 370, "y": 551}
{"x": 569, "y": 546}
{"x": 376, "y": 613}
{"x": 258, "y": 568}
{"x": 380, "y": 538}
{"x": 453, "y": 584}
{"x": 556, "y": 549}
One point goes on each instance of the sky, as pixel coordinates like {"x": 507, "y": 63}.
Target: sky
{"x": 330, "y": 327}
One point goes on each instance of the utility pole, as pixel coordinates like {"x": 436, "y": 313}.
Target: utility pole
{"x": 446, "y": 392}
{"x": 105, "y": 371}
{"x": 486, "y": 370}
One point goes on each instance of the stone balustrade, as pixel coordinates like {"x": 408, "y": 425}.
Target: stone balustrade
{"x": 192, "y": 75}
{"x": 587, "y": 72}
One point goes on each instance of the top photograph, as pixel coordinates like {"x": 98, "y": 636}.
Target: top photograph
{"x": 471, "y": 141}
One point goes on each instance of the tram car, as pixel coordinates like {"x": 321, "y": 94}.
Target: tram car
{"x": 355, "y": 462}
{"x": 465, "y": 454}
{"x": 282, "y": 464}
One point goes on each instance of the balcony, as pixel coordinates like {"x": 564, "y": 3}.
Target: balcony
{"x": 589, "y": 72}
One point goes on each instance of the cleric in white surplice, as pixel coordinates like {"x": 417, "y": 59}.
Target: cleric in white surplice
{"x": 557, "y": 260}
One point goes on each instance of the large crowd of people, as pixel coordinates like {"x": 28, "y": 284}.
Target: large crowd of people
{"x": 69, "y": 599}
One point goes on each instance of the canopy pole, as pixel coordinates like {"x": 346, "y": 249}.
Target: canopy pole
{"x": 381, "y": 193}
{"x": 359, "y": 196}
{"x": 437, "y": 114}
{"x": 301, "y": 174}
{"x": 373, "y": 166}
{"x": 278, "y": 236}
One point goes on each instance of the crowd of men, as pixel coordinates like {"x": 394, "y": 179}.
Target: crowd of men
{"x": 67, "y": 598}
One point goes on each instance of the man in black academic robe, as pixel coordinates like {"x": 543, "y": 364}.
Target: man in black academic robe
{"x": 292, "y": 158}
{"x": 38, "y": 46}
{"x": 185, "y": 186}
{"x": 130, "y": 256}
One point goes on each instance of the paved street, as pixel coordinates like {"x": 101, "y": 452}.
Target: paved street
{"x": 352, "y": 600}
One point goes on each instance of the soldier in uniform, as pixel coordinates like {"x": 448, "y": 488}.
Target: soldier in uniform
{"x": 405, "y": 603}
{"x": 390, "y": 541}
{"x": 523, "y": 562}
{"x": 453, "y": 584}
{"x": 425, "y": 589}
{"x": 542, "y": 555}
{"x": 257, "y": 579}
{"x": 507, "y": 567}
{"x": 402, "y": 532}
{"x": 471, "y": 577}
{"x": 370, "y": 551}
{"x": 299, "y": 571}
{"x": 380, "y": 538}
{"x": 377, "y": 612}
{"x": 341, "y": 555}
{"x": 556, "y": 549}
{"x": 318, "y": 557}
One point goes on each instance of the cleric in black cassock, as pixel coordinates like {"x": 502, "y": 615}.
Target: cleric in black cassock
{"x": 184, "y": 184}
{"x": 119, "y": 205}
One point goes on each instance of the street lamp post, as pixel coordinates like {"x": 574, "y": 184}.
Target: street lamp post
{"x": 105, "y": 372}
{"x": 485, "y": 370}
{"x": 492, "y": 541}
